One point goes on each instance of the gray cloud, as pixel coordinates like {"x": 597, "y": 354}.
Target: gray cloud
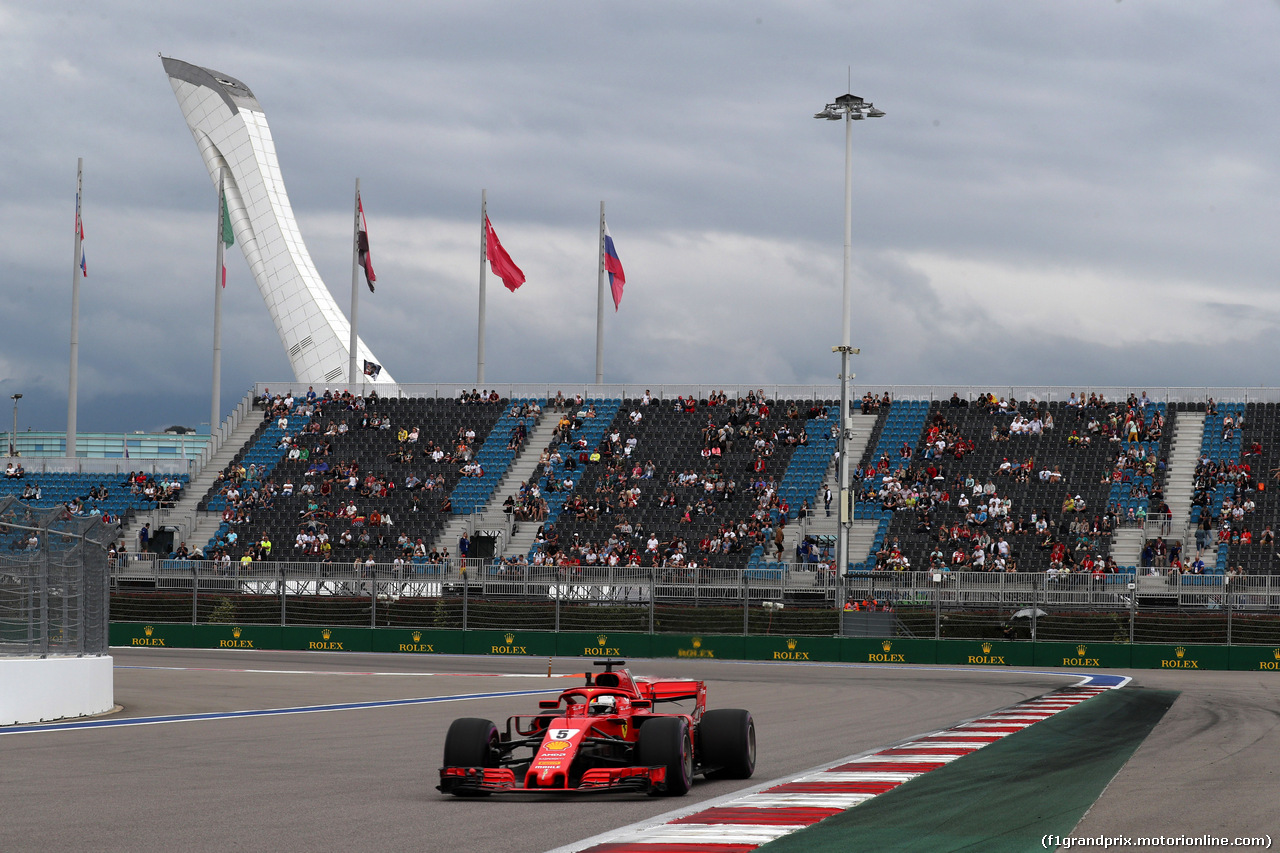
{"x": 1032, "y": 152}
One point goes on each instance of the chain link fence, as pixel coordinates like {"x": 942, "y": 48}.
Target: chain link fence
{"x": 54, "y": 581}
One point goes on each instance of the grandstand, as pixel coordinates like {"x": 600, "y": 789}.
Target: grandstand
{"x": 690, "y": 480}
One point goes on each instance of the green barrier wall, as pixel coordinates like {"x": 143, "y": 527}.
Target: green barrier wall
{"x": 863, "y": 650}
{"x": 509, "y": 643}
{"x": 730, "y": 646}
{"x": 1179, "y": 657}
{"x": 1081, "y": 656}
{"x": 985, "y": 653}
{"x": 1256, "y": 658}
{"x": 603, "y": 645}
{"x": 417, "y": 642}
{"x": 236, "y": 636}
{"x": 318, "y": 638}
{"x": 792, "y": 648}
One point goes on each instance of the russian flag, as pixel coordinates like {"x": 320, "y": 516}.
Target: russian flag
{"x": 613, "y": 266}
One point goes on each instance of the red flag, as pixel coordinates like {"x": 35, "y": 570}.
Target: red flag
{"x": 499, "y": 261}
{"x": 362, "y": 246}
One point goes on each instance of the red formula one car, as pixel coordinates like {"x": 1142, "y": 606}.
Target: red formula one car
{"x": 606, "y": 736}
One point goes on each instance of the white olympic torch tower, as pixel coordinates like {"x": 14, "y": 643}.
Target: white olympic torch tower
{"x": 231, "y": 132}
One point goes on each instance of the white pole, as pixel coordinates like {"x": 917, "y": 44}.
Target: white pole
{"x": 484, "y": 261}
{"x": 846, "y": 509}
{"x": 600, "y": 303}
{"x": 75, "y": 319}
{"x": 355, "y": 283}
{"x": 215, "y": 415}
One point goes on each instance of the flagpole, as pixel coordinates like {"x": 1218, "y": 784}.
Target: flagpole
{"x": 219, "y": 273}
{"x": 600, "y": 303}
{"x": 76, "y": 275}
{"x": 484, "y": 257}
{"x": 355, "y": 282}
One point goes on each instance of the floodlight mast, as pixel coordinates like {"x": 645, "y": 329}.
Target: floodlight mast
{"x": 851, "y": 108}
{"x": 13, "y": 434}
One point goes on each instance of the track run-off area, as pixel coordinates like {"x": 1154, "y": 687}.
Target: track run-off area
{"x": 218, "y": 750}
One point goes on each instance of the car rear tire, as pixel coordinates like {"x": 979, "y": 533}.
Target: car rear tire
{"x": 665, "y": 742}
{"x": 727, "y": 743}
{"x": 471, "y": 742}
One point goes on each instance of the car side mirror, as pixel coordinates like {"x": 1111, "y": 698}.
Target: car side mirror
{"x": 641, "y": 703}
{"x": 549, "y": 704}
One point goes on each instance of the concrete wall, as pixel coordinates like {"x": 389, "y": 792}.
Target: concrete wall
{"x": 34, "y": 690}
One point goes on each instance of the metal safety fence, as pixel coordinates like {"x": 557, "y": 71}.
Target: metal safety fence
{"x": 478, "y": 594}
{"x": 54, "y": 582}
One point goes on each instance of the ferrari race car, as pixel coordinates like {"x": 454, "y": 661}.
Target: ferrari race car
{"x": 605, "y": 736}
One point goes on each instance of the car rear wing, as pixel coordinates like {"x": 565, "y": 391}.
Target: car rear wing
{"x": 674, "y": 691}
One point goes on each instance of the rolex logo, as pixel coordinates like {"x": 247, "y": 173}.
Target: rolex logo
{"x": 601, "y": 639}
{"x": 1180, "y": 651}
{"x": 510, "y": 638}
{"x": 326, "y": 633}
{"x": 1276, "y": 652}
{"x": 1080, "y": 650}
{"x": 791, "y": 644}
{"x": 147, "y": 630}
{"x": 886, "y": 645}
{"x": 235, "y": 632}
{"x": 697, "y": 642}
{"x": 986, "y": 648}
{"x": 417, "y": 636}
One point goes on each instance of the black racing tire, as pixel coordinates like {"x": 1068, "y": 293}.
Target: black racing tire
{"x": 471, "y": 742}
{"x": 665, "y": 742}
{"x": 727, "y": 743}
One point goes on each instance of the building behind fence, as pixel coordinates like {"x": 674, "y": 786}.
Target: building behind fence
{"x": 54, "y": 581}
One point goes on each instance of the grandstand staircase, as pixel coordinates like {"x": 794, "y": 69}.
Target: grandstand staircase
{"x": 863, "y": 532}
{"x": 191, "y": 525}
{"x": 1126, "y": 548}
{"x": 492, "y": 517}
{"x": 1179, "y": 480}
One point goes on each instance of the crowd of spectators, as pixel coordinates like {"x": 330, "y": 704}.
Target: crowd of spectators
{"x": 344, "y": 504}
{"x": 735, "y": 443}
{"x": 987, "y": 532}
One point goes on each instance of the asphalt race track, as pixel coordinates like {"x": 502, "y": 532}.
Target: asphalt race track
{"x": 363, "y": 778}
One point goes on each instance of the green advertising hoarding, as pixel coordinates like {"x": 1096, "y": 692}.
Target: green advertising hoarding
{"x": 417, "y": 641}
{"x": 1174, "y": 656}
{"x": 1083, "y": 655}
{"x": 985, "y": 653}
{"x": 1255, "y": 658}
{"x": 860, "y": 650}
{"x": 707, "y": 646}
{"x": 603, "y": 644}
{"x": 509, "y": 643}
{"x": 324, "y": 638}
{"x": 152, "y": 635}
{"x": 236, "y": 636}
{"x": 792, "y": 648}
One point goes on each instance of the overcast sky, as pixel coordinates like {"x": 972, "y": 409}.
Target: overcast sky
{"x": 1060, "y": 193}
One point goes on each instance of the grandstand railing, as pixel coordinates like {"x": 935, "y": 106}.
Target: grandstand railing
{"x": 225, "y": 430}
{"x": 34, "y": 466}
{"x": 1159, "y": 525}
{"x": 800, "y": 583}
{"x": 669, "y": 391}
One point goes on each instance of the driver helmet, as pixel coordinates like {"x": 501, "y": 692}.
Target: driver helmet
{"x": 602, "y": 705}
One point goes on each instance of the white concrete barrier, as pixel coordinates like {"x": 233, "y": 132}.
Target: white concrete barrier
{"x": 34, "y": 690}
